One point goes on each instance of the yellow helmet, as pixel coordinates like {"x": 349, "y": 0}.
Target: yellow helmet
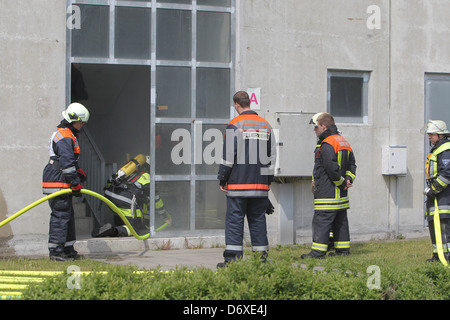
{"x": 76, "y": 112}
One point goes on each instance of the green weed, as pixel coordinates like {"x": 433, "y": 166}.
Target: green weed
{"x": 404, "y": 274}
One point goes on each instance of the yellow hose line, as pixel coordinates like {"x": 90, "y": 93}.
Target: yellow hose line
{"x": 10, "y": 295}
{"x": 114, "y": 208}
{"x": 34, "y": 204}
{"x": 14, "y": 279}
{"x": 437, "y": 234}
{"x": 26, "y": 273}
{"x": 12, "y": 286}
{"x": 111, "y": 205}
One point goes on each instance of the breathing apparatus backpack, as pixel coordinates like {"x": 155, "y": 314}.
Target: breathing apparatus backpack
{"x": 124, "y": 188}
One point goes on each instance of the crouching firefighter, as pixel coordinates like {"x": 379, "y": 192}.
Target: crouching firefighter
{"x": 129, "y": 190}
{"x": 62, "y": 172}
{"x": 437, "y": 169}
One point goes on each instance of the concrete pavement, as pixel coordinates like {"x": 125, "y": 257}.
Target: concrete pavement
{"x": 165, "y": 254}
{"x": 164, "y": 259}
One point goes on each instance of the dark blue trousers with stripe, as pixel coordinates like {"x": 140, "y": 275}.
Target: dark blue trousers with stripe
{"x": 255, "y": 210}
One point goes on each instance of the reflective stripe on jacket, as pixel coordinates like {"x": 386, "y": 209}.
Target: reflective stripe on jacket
{"x": 248, "y": 156}
{"x": 64, "y": 151}
{"x": 334, "y": 165}
{"x": 437, "y": 169}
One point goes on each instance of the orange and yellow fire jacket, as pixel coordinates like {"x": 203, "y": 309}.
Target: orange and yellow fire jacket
{"x": 61, "y": 170}
{"x": 334, "y": 165}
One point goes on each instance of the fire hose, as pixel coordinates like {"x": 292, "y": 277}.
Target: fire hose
{"x": 111, "y": 205}
{"x": 438, "y": 235}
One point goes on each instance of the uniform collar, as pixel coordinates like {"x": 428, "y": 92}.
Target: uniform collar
{"x": 329, "y": 132}
{"x": 65, "y": 124}
{"x": 248, "y": 112}
{"x": 441, "y": 142}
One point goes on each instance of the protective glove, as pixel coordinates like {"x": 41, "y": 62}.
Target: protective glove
{"x": 82, "y": 175}
{"x": 76, "y": 190}
{"x": 429, "y": 192}
{"x": 270, "y": 208}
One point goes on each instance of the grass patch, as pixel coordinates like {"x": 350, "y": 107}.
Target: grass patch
{"x": 404, "y": 274}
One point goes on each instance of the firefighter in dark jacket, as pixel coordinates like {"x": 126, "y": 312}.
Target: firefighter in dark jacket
{"x": 62, "y": 172}
{"x": 245, "y": 175}
{"x": 313, "y": 122}
{"x": 437, "y": 170}
{"x": 335, "y": 171}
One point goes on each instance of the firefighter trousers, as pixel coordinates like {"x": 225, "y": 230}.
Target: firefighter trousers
{"x": 445, "y": 233}
{"x": 255, "y": 210}
{"x": 323, "y": 223}
{"x": 61, "y": 236}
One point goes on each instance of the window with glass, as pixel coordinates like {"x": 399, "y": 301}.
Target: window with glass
{"x": 437, "y": 96}
{"x": 157, "y": 77}
{"x": 348, "y": 96}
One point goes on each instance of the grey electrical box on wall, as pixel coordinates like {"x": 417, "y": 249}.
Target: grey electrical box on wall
{"x": 394, "y": 160}
{"x": 296, "y": 142}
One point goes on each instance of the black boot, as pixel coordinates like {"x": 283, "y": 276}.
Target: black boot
{"x": 312, "y": 255}
{"x": 264, "y": 256}
{"x": 57, "y": 257}
{"x": 339, "y": 253}
{"x": 57, "y": 254}
{"x": 106, "y": 231}
{"x": 222, "y": 264}
{"x": 71, "y": 254}
{"x": 434, "y": 258}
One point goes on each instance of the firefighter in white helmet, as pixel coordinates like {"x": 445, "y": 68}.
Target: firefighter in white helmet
{"x": 314, "y": 124}
{"x": 62, "y": 172}
{"x": 437, "y": 169}
{"x": 335, "y": 172}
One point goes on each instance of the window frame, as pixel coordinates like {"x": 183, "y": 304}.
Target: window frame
{"x": 365, "y": 76}
{"x": 154, "y": 63}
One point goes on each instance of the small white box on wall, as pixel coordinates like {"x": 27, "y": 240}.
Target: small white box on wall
{"x": 394, "y": 160}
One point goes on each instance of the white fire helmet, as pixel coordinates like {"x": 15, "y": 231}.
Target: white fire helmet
{"x": 314, "y": 118}
{"x": 435, "y": 127}
{"x": 76, "y": 112}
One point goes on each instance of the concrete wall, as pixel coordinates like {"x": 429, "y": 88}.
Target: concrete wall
{"x": 286, "y": 47}
{"x": 32, "y": 96}
{"x": 419, "y": 44}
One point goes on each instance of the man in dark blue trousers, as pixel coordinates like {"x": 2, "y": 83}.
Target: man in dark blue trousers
{"x": 245, "y": 175}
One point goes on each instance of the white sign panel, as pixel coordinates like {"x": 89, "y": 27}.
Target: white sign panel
{"x": 255, "y": 98}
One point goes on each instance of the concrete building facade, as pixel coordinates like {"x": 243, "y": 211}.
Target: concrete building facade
{"x": 382, "y": 67}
